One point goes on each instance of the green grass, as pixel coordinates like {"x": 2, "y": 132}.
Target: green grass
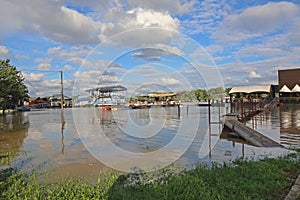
{"x": 266, "y": 179}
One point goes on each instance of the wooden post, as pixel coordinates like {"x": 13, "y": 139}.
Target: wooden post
{"x": 219, "y": 112}
{"x": 62, "y": 112}
{"x": 178, "y": 110}
{"x": 209, "y": 119}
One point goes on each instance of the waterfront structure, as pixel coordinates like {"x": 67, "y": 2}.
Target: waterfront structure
{"x": 55, "y": 101}
{"x": 163, "y": 99}
{"x": 107, "y": 95}
{"x": 82, "y": 101}
{"x": 254, "y": 92}
{"x": 289, "y": 81}
{"x": 39, "y": 102}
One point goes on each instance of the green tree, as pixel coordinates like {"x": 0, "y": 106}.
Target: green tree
{"x": 201, "y": 95}
{"x": 216, "y": 93}
{"x": 227, "y": 90}
{"x": 12, "y": 89}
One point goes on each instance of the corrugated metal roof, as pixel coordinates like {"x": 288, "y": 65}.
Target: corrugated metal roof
{"x": 162, "y": 95}
{"x": 106, "y": 89}
{"x": 251, "y": 89}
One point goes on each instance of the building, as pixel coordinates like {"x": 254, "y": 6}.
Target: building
{"x": 107, "y": 95}
{"x": 254, "y": 92}
{"x": 289, "y": 85}
{"x": 55, "y": 101}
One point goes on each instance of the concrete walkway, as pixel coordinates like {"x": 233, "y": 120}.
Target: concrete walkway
{"x": 294, "y": 193}
{"x": 250, "y": 135}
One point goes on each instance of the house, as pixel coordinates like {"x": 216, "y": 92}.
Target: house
{"x": 55, "y": 101}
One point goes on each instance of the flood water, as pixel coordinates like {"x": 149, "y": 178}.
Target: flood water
{"x": 83, "y": 141}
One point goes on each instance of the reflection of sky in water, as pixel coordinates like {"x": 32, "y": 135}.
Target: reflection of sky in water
{"x": 48, "y": 141}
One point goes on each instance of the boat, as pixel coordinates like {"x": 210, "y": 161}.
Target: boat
{"x": 107, "y": 96}
{"x": 23, "y": 108}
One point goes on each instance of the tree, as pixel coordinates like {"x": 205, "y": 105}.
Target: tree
{"x": 201, "y": 95}
{"x": 227, "y": 90}
{"x": 216, "y": 93}
{"x": 12, "y": 89}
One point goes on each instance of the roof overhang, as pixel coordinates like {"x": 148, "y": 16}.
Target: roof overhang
{"x": 251, "y": 89}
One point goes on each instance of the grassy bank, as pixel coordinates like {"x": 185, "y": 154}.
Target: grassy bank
{"x": 266, "y": 179}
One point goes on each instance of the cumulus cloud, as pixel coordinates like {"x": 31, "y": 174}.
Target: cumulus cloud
{"x": 43, "y": 60}
{"x": 259, "y": 51}
{"x": 50, "y": 19}
{"x": 153, "y": 27}
{"x": 169, "y": 81}
{"x": 32, "y": 77}
{"x": 156, "y": 52}
{"x": 4, "y": 51}
{"x": 68, "y": 67}
{"x": 253, "y": 74}
{"x": 205, "y": 15}
{"x": 257, "y": 21}
{"x": 172, "y": 6}
{"x": 44, "y": 66}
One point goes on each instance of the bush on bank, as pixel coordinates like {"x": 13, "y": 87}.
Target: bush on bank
{"x": 269, "y": 178}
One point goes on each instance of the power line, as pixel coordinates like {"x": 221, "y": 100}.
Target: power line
{"x": 37, "y": 70}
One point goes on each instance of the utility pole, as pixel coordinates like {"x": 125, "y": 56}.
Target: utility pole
{"x": 62, "y": 89}
{"x": 62, "y": 112}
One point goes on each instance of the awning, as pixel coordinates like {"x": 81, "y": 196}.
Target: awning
{"x": 296, "y": 88}
{"x": 251, "y": 89}
{"x": 106, "y": 89}
{"x": 285, "y": 89}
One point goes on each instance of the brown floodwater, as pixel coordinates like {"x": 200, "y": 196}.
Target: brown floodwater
{"x": 81, "y": 142}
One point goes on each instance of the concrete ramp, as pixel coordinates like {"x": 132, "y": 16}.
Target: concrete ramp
{"x": 250, "y": 135}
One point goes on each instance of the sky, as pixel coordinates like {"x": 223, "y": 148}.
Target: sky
{"x": 165, "y": 45}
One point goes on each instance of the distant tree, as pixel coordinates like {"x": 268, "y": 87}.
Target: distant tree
{"x": 12, "y": 89}
{"x": 227, "y": 90}
{"x": 201, "y": 95}
{"x": 216, "y": 93}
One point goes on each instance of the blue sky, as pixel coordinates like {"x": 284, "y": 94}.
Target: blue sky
{"x": 168, "y": 45}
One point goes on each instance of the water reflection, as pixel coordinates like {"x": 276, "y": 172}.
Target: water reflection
{"x": 281, "y": 124}
{"x": 50, "y": 137}
{"x": 290, "y": 125}
{"x": 13, "y": 130}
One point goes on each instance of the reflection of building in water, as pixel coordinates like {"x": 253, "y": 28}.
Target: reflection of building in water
{"x": 13, "y": 130}
{"x": 290, "y": 125}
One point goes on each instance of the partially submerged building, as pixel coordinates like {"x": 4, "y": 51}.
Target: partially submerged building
{"x": 56, "y": 101}
{"x": 159, "y": 98}
{"x": 107, "y": 95}
{"x": 255, "y": 93}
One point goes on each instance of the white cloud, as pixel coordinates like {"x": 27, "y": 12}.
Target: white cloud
{"x": 152, "y": 27}
{"x": 68, "y": 67}
{"x": 205, "y": 15}
{"x": 4, "y": 51}
{"x": 257, "y": 21}
{"x": 259, "y": 51}
{"x": 50, "y": 19}
{"x": 156, "y": 51}
{"x": 172, "y": 6}
{"x": 169, "y": 81}
{"x": 253, "y": 74}
{"x": 44, "y": 66}
{"x": 32, "y": 77}
{"x": 43, "y": 60}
